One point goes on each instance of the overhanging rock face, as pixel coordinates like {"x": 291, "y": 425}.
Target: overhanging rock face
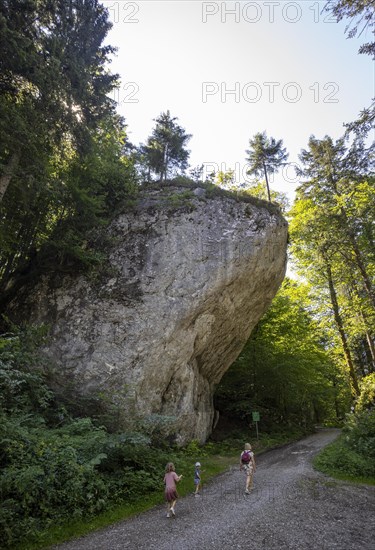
{"x": 184, "y": 287}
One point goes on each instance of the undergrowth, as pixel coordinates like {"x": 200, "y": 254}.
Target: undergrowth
{"x": 352, "y": 456}
{"x": 63, "y": 475}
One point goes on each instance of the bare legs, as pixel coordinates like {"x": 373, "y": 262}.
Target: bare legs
{"x": 170, "y": 508}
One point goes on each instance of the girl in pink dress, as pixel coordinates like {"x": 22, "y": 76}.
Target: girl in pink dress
{"x": 171, "y": 495}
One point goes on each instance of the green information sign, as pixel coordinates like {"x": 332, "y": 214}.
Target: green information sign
{"x": 256, "y": 416}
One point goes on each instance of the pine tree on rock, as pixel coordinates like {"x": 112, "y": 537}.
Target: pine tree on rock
{"x": 165, "y": 151}
{"x": 265, "y": 157}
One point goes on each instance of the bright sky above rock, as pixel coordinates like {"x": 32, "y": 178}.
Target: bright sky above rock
{"x": 230, "y": 69}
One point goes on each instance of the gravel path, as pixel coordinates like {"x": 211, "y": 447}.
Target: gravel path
{"x": 291, "y": 507}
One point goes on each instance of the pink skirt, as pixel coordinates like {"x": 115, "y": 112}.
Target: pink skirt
{"x": 170, "y": 494}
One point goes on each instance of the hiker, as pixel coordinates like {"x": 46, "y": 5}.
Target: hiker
{"x": 197, "y": 478}
{"x": 247, "y": 463}
{"x": 171, "y": 495}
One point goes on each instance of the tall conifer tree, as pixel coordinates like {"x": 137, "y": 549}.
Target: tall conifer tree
{"x": 265, "y": 156}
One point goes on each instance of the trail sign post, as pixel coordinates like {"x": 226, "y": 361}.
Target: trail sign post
{"x": 256, "y": 418}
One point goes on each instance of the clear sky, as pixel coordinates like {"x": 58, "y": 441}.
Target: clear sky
{"x": 230, "y": 69}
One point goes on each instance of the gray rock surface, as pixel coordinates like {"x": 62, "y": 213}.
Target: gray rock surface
{"x": 187, "y": 279}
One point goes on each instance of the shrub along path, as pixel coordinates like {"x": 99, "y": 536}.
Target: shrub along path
{"x": 291, "y": 507}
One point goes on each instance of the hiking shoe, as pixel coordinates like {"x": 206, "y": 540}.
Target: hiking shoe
{"x": 247, "y": 492}
{"x": 168, "y": 515}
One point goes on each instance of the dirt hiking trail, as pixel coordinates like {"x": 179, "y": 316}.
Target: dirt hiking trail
{"x": 292, "y": 507}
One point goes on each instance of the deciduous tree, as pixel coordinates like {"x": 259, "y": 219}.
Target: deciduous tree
{"x": 285, "y": 370}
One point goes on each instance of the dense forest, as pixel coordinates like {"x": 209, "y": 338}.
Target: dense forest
{"x": 67, "y": 168}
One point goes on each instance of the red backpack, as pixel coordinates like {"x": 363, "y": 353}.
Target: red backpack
{"x": 245, "y": 457}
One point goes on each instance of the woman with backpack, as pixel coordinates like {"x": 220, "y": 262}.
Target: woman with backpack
{"x": 247, "y": 463}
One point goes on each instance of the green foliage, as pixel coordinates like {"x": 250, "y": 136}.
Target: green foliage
{"x": 225, "y": 179}
{"x": 284, "y": 371}
{"x": 359, "y": 432}
{"x": 194, "y": 449}
{"x": 63, "y": 171}
{"x": 22, "y": 387}
{"x": 55, "y": 468}
{"x": 58, "y": 471}
{"x": 352, "y": 456}
{"x": 53, "y": 81}
{"x": 366, "y": 399}
{"x": 332, "y": 245}
{"x": 165, "y": 151}
{"x": 265, "y": 156}
{"x": 339, "y": 460}
{"x": 259, "y": 189}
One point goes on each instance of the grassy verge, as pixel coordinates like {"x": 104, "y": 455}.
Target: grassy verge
{"x": 78, "y": 528}
{"x": 340, "y": 461}
{"x": 216, "y": 458}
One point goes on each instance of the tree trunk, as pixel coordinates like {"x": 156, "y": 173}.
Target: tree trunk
{"x": 371, "y": 348}
{"x": 340, "y": 327}
{"x": 8, "y": 173}
{"x": 348, "y": 230}
{"x": 267, "y": 184}
{"x": 337, "y": 407}
{"x": 357, "y": 253}
{"x": 361, "y": 267}
{"x": 166, "y": 162}
{"x": 369, "y": 339}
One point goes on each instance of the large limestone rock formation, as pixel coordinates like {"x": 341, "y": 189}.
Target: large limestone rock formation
{"x": 186, "y": 281}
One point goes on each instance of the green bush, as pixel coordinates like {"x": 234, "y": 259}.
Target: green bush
{"x": 339, "y": 459}
{"x": 55, "y": 468}
{"x": 359, "y": 433}
{"x": 76, "y": 471}
{"x": 47, "y": 475}
{"x": 22, "y": 387}
{"x": 353, "y": 454}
